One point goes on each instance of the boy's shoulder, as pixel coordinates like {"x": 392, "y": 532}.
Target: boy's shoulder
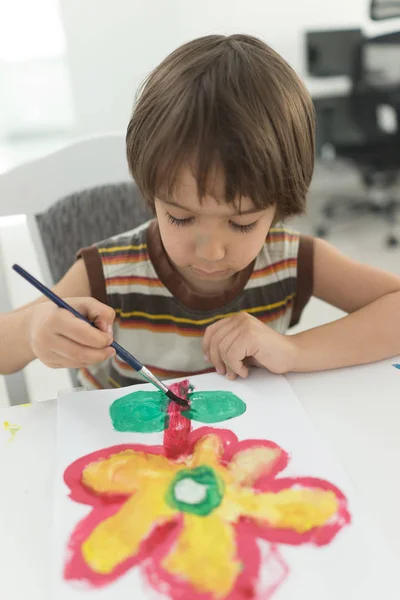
{"x": 127, "y": 241}
{"x": 287, "y": 251}
{"x": 281, "y": 242}
{"x": 127, "y": 253}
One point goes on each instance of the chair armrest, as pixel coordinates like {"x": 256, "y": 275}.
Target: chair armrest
{"x": 16, "y": 246}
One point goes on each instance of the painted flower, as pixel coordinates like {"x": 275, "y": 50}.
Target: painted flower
{"x": 193, "y": 523}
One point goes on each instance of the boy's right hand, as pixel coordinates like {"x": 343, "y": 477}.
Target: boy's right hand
{"x": 59, "y": 339}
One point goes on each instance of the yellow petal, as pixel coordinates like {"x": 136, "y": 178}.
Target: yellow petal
{"x": 249, "y": 464}
{"x": 119, "y": 537}
{"x": 207, "y": 451}
{"x": 124, "y": 472}
{"x": 205, "y": 555}
{"x": 299, "y": 509}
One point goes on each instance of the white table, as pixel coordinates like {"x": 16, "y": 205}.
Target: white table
{"x": 356, "y": 410}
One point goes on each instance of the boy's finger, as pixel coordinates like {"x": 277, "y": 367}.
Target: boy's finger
{"x": 214, "y": 349}
{"x": 106, "y": 327}
{"x": 230, "y": 374}
{"x": 217, "y": 361}
{"x": 75, "y": 355}
{"x": 94, "y": 311}
{"x": 80, "y": 332}
{"x": 214, "y": 334}
{"x": 100, "y": 314}
{"x": 233, "y": 352}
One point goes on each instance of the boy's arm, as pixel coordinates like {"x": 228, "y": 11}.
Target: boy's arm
{"x": 370, "y": 332}
{"x": 15, "y": 347}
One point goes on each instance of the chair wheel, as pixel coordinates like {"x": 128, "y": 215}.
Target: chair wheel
{"x": 392, "y": 241}
{"x": 321, "y": 232}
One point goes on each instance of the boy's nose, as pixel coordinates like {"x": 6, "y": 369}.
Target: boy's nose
{"x": 210, "y": 250}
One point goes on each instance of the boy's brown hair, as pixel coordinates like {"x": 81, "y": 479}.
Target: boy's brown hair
{"x": 231, "y": 103}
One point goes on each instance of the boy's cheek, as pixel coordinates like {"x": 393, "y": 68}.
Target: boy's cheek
{"x": 177, "y": 249}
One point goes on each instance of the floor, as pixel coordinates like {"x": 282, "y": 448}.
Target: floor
{"x": 362, "y": 239}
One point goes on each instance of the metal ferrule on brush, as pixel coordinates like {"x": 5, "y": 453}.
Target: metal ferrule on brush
{"x": 144, "y": 371}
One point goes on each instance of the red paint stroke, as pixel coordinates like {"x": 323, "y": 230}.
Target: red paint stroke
{"x": 164, "y": 536}
{"x": 176, "y": 435}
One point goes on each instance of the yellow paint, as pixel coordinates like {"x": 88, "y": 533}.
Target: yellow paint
{"x": 125, "y": 472}
{"x": 120, "y": 536}
{"x": 247, "y": 466}
{"x": 207, "y": 451}
{"x": 299, "y": 509}
{"x": 12, "y": 429}
{"x": 205, "y": 554}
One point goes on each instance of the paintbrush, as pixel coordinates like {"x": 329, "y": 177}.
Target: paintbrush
{"x": 121, "y": 352}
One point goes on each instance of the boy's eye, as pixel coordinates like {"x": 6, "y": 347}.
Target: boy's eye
{"x": 179, "y": 222}
{"x": 243, "y": 228}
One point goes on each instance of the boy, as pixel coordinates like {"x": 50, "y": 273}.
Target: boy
{"x": 221, "y": 145}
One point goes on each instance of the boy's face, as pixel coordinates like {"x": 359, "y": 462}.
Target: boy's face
{"x": 209, "y": 242}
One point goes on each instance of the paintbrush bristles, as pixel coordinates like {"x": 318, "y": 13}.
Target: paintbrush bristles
{"x": 176, "y": 399}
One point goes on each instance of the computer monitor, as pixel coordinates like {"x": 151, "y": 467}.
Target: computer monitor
{"x": 331, "y": 52}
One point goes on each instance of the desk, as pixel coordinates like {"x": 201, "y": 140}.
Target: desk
{"x": 356, "y": 410}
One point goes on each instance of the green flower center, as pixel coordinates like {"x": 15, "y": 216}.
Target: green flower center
{"x": 198, "y": 491}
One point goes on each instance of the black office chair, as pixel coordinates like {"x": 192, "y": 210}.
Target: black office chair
{"x": 353, "y": 128}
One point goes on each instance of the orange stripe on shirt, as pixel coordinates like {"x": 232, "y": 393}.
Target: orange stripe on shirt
{"x": 133, "y": 280}
{"x": 278, "y": 266}
{"x": 273, "y": 237}
{"x": 120, "y": 260}
{"x": 86, "y": 373}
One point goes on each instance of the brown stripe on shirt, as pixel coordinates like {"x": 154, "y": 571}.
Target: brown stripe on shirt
{"x": 305, "y": 277}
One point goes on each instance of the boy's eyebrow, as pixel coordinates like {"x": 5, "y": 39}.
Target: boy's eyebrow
{"x": 250, "y": 211}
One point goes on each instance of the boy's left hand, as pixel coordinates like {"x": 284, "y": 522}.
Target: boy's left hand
{"x": 234, "y": 342}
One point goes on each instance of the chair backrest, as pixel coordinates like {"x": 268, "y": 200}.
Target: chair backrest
{"x": 86, "y": 217}
{"x": 34, "y": 186}
{"x": 30, "y": 189}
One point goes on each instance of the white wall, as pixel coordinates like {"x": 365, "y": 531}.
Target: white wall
{"x": 112, "y": 45}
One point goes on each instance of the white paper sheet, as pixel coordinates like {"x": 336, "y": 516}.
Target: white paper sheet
{"x": 356, "y": 565}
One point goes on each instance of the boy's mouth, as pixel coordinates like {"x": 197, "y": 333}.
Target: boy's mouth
{"x": 211, "y": 274}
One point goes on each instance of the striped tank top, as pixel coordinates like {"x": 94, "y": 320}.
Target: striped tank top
{"x": 162, "y": 321}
